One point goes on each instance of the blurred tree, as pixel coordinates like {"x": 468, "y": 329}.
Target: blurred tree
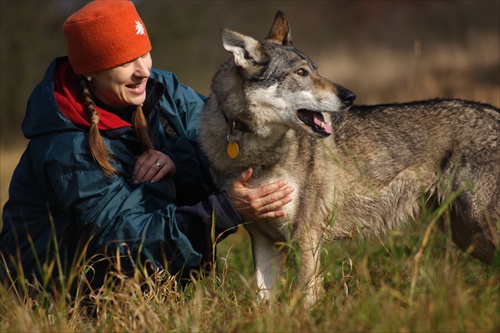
{"x": 30, "y": 35}
{"x": 186, "y": 38}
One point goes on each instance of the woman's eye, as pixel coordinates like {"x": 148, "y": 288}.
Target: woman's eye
{"x": 301, "y": 72}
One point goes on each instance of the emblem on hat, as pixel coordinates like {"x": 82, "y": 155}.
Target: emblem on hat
{"x": 139, "y": 28}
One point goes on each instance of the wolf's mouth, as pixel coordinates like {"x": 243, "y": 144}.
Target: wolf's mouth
{"x": 315, "y": 121}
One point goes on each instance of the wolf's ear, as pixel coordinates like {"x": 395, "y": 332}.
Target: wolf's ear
{"x": 248, "y": 53}
{"x": 280, "y": 31}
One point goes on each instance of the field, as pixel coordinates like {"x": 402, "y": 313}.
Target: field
{"x": 413, "y": 280}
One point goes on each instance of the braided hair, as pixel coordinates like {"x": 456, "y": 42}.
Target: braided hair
{"x": 98, "y": 148}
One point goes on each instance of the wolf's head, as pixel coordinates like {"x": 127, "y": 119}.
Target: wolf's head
{"x": 281, "y": 83}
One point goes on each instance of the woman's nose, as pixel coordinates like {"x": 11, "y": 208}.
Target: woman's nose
{"x": 141, "y": 68}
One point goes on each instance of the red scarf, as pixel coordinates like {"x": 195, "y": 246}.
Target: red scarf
{"x": 70, "y": 100}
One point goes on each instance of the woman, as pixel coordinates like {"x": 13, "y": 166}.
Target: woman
{"x": 113, "y": 168}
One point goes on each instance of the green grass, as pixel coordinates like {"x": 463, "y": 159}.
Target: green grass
{"x": 371, "y": 285}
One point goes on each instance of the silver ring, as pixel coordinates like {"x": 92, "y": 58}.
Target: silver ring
{"x": 158, "y": 164}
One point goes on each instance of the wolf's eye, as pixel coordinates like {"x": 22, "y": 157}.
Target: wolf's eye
{"x": 301, "y": 72}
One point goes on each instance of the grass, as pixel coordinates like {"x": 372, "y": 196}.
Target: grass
{"x": 370, "y": 286}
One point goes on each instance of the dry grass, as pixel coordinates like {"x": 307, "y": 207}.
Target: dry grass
{"x": 368, "y": 289}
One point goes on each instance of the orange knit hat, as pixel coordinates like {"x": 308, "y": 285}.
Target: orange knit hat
{"x": 105, "y": 34}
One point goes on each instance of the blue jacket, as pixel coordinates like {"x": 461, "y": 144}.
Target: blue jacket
{"x": 62, "y": 205}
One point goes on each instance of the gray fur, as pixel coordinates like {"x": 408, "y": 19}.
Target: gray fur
{"x": 367, "y": 177}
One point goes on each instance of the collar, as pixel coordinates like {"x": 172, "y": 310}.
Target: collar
{"x": 236, "y": 124}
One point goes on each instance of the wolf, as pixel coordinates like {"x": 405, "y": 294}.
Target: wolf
{"x": 354, "y": 168}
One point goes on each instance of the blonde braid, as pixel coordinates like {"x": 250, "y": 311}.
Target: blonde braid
{"x": 97, "y": 146}
{"x": 141, "y": 130}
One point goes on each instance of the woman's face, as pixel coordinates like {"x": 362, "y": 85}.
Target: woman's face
{"x": 124, "y": 85}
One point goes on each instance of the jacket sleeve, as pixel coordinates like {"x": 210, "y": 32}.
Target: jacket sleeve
{"x": 216, "y": 212}
{"x": 136, "y": 224}
{"x": 124, "y": 220}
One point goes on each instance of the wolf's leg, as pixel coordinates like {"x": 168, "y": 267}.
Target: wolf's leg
{"x": 309, "y": 267}
{"x": 474, "y": 233}
{"x": 266, "y": 263}
{"x": 475, "y": 215}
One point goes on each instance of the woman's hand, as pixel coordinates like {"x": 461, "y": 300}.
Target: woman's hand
{"x": 152, "y": 166}
{"x": 258, "y": 203}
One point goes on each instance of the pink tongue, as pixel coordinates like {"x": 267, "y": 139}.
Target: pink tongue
{"x": 321, "y": 123}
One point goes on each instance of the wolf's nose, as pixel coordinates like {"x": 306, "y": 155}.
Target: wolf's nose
{"x": 348, "y": 97}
